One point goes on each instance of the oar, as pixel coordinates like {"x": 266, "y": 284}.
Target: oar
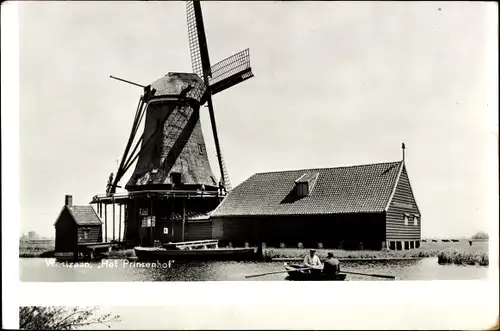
{"x": 275, "y": 272}
{"x": 372, "y": 275}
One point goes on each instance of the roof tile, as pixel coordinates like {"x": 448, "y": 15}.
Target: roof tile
{"x": 84, "y": 215}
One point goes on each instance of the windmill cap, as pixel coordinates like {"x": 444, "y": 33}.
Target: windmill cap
{"x": 174, "y": 83}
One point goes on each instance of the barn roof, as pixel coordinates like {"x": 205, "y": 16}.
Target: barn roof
{"x": 84, "y": 215}
{"x": 352, "y": 189}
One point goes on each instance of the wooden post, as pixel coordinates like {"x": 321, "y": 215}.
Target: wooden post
{"x": 114, "y": 219}
{"x": 105, "y": 223}
{"x": 183, "y": 218}
{"x": 120, "y": 224}
{"x": 151, "y": 220}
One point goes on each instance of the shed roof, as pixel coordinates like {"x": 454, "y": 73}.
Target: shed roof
{"x": 352, "y": 189}
{"x": 84, "y": 215}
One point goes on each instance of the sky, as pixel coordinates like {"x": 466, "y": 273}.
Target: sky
{"x": 336, "y": 83}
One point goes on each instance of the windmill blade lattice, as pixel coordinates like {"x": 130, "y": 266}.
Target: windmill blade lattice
{"x": 225, "y": 176}
{"x": 230, "y": 71}
{"x": 197, "y": 42}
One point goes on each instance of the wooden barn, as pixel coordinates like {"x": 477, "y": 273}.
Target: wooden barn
{"x": 356, "y": 207}
{"x": 76, "y": 227}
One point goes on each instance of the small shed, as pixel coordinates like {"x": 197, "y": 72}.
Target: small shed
{"x": 76, "y": 225}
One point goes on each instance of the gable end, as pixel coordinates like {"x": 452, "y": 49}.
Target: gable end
{"x": 403, "y": 205}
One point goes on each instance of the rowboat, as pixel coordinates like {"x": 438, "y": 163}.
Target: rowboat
{"x": 296, "y": 272}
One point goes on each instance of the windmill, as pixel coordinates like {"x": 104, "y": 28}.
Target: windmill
{"x": 172, "y": 171}
{"x": 217, "y": 78}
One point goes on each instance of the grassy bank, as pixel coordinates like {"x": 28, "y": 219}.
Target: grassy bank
{"x": 36, "y": 253}
{"x": 458, "y": 256}
{"x": 297, "y": 253}
{"x": 478, "y": 251}
{"x": 121, "y": 254}
{"x": 36, "y": 248}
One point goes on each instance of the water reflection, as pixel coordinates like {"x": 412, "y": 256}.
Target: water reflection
{"x": 46, "y": 270}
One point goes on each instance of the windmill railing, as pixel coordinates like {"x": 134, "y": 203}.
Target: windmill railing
{"x": 121, "y": 197}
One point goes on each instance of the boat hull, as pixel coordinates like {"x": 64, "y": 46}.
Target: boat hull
{"x": 219, "y": 254}
{"x": 294, "y": 273}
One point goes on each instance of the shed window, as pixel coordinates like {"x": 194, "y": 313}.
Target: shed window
{"x": 406, "y": 220}
{"x": 86, "y": 234}
{"x": 415, "y": 220}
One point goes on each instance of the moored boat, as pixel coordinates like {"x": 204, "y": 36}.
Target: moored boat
{"x": 210, "y": 254}
{"x": 297, "y": 272}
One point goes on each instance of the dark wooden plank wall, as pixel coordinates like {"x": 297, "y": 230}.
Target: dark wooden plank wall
{"x": 403, "y": 202}
{"x": 198, "y": 230}
{"x": 330, "y": 230}
{"x": 95, "y": 234}
{"x": 162, "y": 210}
{"x": 132, "y": 225}
{"x": 66, "y": 233}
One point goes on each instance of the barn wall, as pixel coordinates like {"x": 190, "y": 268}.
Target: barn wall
{"x": 95, "y": 233}
{"x": 66, "y": 233}
{"x": 403, "y": 202}
{"x": 330, "y": 230}
{"x": 199, "y": 230}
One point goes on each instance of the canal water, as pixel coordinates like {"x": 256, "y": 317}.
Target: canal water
{"x": 47, "y": 270}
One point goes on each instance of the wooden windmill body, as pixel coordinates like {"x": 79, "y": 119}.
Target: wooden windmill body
{"x": 172, "y": 188}
{"x": 173, "y": 153}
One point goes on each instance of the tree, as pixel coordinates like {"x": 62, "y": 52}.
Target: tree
{"x": 60, "y": 318}
{"x": 480, "y": 235}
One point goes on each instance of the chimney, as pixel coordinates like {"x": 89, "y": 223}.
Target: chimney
{"x": 68, "y": 200}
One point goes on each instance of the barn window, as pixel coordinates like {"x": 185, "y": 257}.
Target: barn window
{"x": 305, "y": 184}
{"x": 406, "y": 219}
{"x": 415, "y": 220}
{"x": 302, "y": 189}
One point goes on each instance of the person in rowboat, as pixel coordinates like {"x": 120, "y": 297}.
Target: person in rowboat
{"x": 312, "y": 260}
{"x": 332, "y": 265}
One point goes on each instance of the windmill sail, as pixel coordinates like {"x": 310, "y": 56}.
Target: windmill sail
{"x": 223, "y": 75}
{"x": 197, "y": 39}
{"x": 230, "y": 71}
